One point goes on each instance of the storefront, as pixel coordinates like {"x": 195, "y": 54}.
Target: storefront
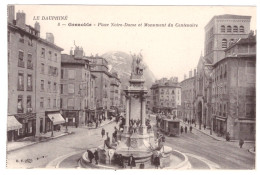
{"x": 13, "y": 127}
{"x": 28, "y": 122}
{"x": 72, "y": 117}
{"x": 221, "y": 125}
{"x": 53, "y": 119}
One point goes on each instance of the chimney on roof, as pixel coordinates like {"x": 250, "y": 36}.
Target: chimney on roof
{"x": 50, "y": 37}
{"x": 37, "y": 27}
{"x": 10, "y": 12}
{"x": 20, "y": 19}
{"x": 194, "y": 72}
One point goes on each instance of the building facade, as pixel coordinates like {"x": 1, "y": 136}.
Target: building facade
{"x": 115, "y": 91}
{"x": 233, "y": 90}
{"x": 99, "y": 68}
{"x": 166, "y": 95}
{"x": 27, "y": 78}
{"x": 187, "y": 97}
{"x": 22, "y": 56}
{"x": 76, "y": 88}
{"x": 48, "y": 68}
{"x": 220, "y": 33}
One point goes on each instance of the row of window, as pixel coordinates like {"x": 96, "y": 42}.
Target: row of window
{"x": 53, "y": 71}
{"x": 20, "y": 86}
{"x": 219, "y": 109}
{"x": 226, "y": 43}
{"x": 167, "y": 104}
{"x": 167, "y": 91}
{"x": 50, "y": 89}
{"x": 54, "y": 103}
{"x": 43, "y": 55}
{"x": 219, "y": 90}
{"x": 21, "y": 61}
{"x": 228, "y": 29}
{"x": 220, "y": 73}
{"x": 22, "y": 39}
{"x": 20, "y": 106}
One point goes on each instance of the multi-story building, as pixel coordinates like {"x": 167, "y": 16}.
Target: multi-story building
{"x": 29, "y": 94}
{"x": 187, "y": 96}
{"x": 115, "y": 91}
{"x": 76, "y": 88}
{"x": 22, "y": 56}
{"x": 220, "y": 33}
{"x": 48, "y": 68}
{"x": 234, "y": 90}
{"x": 166, "y": 95}
{"x": 99, "y": 68}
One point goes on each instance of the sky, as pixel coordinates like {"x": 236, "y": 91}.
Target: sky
{"x": 168, "y": 51}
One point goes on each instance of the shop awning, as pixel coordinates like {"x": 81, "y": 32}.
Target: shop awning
{"x": 56, "y": 118}
{"x": 12, "y": 123}
{"x": 220, "y": 118}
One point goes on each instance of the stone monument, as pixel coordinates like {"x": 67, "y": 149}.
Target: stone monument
{"x": 135, "y": 139}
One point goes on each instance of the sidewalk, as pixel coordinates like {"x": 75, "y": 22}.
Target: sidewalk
{"x": 248, "y": 145}
{"x": 27, "y": 141}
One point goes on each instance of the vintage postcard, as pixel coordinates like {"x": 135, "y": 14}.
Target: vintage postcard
{"x": 131, "y": 87}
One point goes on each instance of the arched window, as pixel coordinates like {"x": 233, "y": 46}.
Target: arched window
{"x": 222, "y": 29}
{"x": 229, "y": 29}
{"x": 224, "y": 43}
{"x": 235, "y": 29}
{"x": 241, "y": 29}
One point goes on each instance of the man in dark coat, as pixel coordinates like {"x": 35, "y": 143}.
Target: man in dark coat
{"x": 190, "y": 128}
{"x": 103, "y": 132}
{"x": 90, "y": 156}
{"x": 181, "y": 129}
{"x": 96, "y": 156}
{"x": 131, "y": 161}
{"x": 186, "y": 129}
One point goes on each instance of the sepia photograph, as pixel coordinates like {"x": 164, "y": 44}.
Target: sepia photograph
{"x": 131, "y": 87}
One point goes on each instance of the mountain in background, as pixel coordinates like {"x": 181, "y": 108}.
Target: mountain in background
{"x": 121, "y": 62}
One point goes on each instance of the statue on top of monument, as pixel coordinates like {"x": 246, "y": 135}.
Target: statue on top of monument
{"x": 137, "y": 64}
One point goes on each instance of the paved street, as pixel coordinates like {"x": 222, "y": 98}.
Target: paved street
{"x": 80, "y": 141}
{"x": 226, "y": 155}
{"x": 203, "y": 151}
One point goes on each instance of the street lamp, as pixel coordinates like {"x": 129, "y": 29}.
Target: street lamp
{"x": 52, "y": 127}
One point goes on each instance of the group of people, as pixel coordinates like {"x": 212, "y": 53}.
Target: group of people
{"x": 92, "y": 156}
{"x": 186, "y": 129}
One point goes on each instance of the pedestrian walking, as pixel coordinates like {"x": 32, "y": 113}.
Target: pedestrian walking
{"x": 181, "y": 129}
{"x": 96, "y": 123}
{"x": 190, "y": 128}
{"x": 103, "y": 132}
{"x": 241, "y": 143}
{"x": 96, "y": 156}
{"x": 90, "y": 156}
{"x": 186, "y": 129}
{"x": 204, "y": 126}
{"x": 131, "y": 161}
